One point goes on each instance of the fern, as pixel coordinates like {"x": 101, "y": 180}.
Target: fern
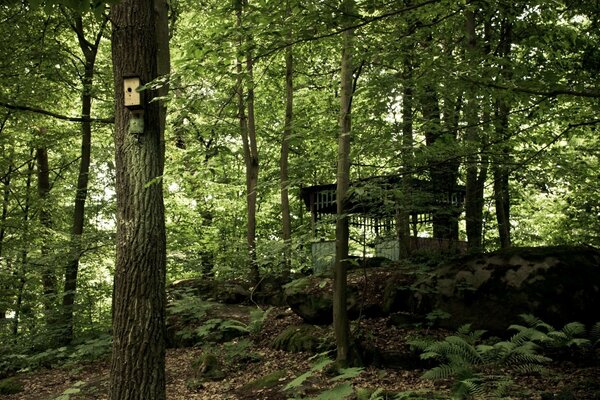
{"x": 534, "y": 322}
{"x": 465, "y": 361}
{"x": 341, "y": 391}
{"x": 467, "y": 388}
{"x": 595, "y": 334}
{"x": 444, "y": 371}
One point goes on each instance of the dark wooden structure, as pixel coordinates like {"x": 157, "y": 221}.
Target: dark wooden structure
{"x": 373, "y": 203}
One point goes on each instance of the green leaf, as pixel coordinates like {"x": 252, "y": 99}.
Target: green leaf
{"x": 348, "y": 373}
{"x": 298, "y": 381}
{"x": 339, "y": 392}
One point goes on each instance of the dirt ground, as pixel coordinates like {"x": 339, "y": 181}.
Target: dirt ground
{"x": 562, "y": 380}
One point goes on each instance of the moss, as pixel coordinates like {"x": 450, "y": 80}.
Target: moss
{"x": 206, "y": 367}
{"x": 298, "y": 338}
{"x": 268, "y": 381}
{"x": 10, "y": 386}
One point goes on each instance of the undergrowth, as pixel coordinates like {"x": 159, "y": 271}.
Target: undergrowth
{"x": 484, "y": 369}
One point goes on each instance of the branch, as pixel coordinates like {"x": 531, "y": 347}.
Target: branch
{"x": 356, "y": 26}
{"x": 538, "y": 92}
{"x": 553, "y": 141}
{"x": 16, "y": 107}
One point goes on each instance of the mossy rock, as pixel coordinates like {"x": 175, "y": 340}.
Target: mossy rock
{"x": 268, "y": 381}
{"x": 10, "y": 386}
{"x": 300, "y": 338}
{"x": 311, "y": 298}
{"x": 207, "y": 367}
{"x": 557, "y": 284}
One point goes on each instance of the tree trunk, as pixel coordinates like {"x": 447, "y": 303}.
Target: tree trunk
{"x": 443, "y": 172}
{"x": 476, "y": 165}
{"x": 285, "y": 147}
{"x": 139, "y": 48}
{"x": 502, "y": 153}
{"x": 340, "y": 312}
{"x": 48, "y": 273}
{"x": 248, "y": 131}
{"x": 21, "y": 273}
{"x": 403, "y": 223}
{"x": 89, "y": 51}
{"x": 5, "y": 200}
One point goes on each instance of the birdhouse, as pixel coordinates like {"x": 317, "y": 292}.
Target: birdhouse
{"x": 132, "y": 93}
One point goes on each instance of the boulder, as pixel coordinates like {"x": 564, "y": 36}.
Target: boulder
{"x": 556, "y": 284}
{"x": 311, "y": 298}
{"x": 211, "y": 289}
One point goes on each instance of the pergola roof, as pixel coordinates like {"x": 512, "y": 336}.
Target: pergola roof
{"x": 380, "y": 196}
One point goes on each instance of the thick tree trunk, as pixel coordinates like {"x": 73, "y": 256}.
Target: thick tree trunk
{"x": 89, "y": 51}
{"x": 285, "y": 147}
{"x": 340, "y": 312}
{"x": 139, "y": 48}
{"x": 476, "y": 165}
{"x": 48, "y": 272}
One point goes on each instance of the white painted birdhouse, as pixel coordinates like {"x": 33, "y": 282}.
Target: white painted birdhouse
{"x": 133, "y": 96}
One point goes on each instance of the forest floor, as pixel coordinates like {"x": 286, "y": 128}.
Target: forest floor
{"x": 242, "y": 365}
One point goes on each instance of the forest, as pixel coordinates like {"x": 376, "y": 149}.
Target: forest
{"x": 317, "y": 199}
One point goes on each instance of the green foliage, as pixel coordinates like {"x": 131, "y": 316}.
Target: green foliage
{"x": 186, "y": 305}
{"x": 302, "y": 338}
{"x": 319, "y": 365}
{"x": 207, "y": 367}
{"x": 267, "y": 381}
{"x": 341, "y": 388}
{"x": 341, "y": 391}
{"x": 435, "y": 316}
{"x": 219, "y": 330}
{"x": 595, "y": 334}
{"x": 74, "y": 390}
{"x": 569, "y": 336}
{"x": 10, "y": 386}
{"x": 258, "y": 316}
{"x": 468, "y": 363}
{"x": 477, "y": 368}
{"x": 235, "y": 354}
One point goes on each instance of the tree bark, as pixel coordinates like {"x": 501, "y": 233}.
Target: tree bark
{"x": 139, "y": 48}
{"x": 248, "y": 131}
{"x": 21, "y": 273}
{"x": 502, "y": 153}
{"x": 476, "y": 166}
{"x": 5, "y": 201}
{"x": 443, "y": 172}
{"x": 89, "y": 50}
{"x": 340, "y": 276}
{"x": 286, "y": 227}
{"x": 407, "y": 161}
{"x": 48, "y": 273}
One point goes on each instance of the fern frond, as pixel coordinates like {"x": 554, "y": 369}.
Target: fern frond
{"x": 420, "y": 344}
{"x": 443, "y": 371}
{"x": 464, "y": 349}
{"x": 534, "y": 322}
{"x": 468, "y": 388}
{"x": 529, "y": 369}
{"x": 464, "y": 330}
{"x": 595, "y": 333}
{"x": 573, "y": 329}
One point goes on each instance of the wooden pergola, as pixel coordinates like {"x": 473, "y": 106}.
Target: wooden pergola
{"x": 373, "y": 205}
{"x": 374, "y": 202}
